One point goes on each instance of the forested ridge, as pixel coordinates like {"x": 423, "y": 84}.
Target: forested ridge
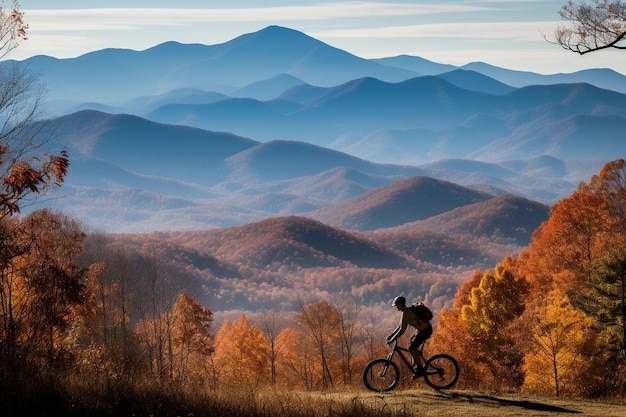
{"x": 91, "y": 317}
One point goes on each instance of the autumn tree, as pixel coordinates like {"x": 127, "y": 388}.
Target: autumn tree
{"x": 158, "y": 285}
{"x": 297, "y": 363}
{"x": 192, "y": 339}
{"x": 275, "y": 346}
{"x": 348, "y": 328}
{"x": 39, "y": 286}
{"x": 320, "y": 322}
{"x": 452, "y": 335}
{"x": 240, "y": 353}
{"x": 564, "y": 248}
{"x": 112, "y": 347}
{"x": 25, "y": 170}
{"x": 560, "y": 358}
{"x": 12, "y": 29}
{"x": 593, "y": 26}
{"x": 494, "y": 305}
{"x": 610, "y": 186}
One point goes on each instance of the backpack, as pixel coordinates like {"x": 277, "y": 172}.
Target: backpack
{"x": 421, "y": 311}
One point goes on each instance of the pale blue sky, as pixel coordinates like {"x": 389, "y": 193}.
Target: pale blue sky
{"x": 503, "y": 33}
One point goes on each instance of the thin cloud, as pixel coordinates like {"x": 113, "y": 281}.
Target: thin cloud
{"x": 127, "y": 18}
{"x": 520, "y": 31}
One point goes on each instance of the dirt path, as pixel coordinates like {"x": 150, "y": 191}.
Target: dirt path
{"x": 429, "y": 403}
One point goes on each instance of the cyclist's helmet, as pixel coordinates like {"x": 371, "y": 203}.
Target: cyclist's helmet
{"x": 398, "y": 300}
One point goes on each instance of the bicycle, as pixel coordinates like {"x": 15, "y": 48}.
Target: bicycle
{"x": 441, "y": 371}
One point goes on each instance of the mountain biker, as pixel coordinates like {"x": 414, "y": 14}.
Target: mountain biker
{"x": 423, "y": 330}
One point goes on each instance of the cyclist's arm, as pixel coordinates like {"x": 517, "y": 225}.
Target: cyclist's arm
{"x": 399, "y": 330}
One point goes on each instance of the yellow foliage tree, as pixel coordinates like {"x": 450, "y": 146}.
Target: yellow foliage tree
{"x": 560, "y": 360}
{"x": 494, "y": 305}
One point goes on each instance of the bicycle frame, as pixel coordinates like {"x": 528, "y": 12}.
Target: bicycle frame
{"x": 399, "y": 349}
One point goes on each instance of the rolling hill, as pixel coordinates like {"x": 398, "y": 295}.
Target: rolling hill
{"x": 404, "y": 201}
{"x": 504, "y": 217}
{"x": 294, "y": 241}
{"x": 147, "y": 148}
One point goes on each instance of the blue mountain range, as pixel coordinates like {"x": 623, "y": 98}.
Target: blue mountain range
{"x": 181, "y": 136}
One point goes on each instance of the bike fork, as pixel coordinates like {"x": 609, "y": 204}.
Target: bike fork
{"x": 383, "y": 372}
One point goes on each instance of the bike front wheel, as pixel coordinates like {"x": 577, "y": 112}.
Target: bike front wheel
{"x": 381, "y": 375}
{"x": 441, "y": 371}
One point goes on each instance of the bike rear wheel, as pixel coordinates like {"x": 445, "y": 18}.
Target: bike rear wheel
{"x": 381, "y": 375}
{"x": 442, "y": 371}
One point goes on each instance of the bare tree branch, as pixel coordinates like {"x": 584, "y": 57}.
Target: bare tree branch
{"x": 593, "y": 26}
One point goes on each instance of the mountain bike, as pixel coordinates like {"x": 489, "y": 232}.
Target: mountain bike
{"x": 441, "y": 371}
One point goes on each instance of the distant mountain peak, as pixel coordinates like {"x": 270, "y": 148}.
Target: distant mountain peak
{"x": 276, "y": 38}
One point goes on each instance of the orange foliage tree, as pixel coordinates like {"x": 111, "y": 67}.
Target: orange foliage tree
{"x": 296, "y": 363}
{"x": 571, "y": 250}
{"x": 241, "y": 353}
{"x": 564, "y": 248}
{"x": 479, "y": 329}
{"x": 452, "y": 335}
{"x": 107, "y": 347}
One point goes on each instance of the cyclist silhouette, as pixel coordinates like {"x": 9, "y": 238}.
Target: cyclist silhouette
{"x": 423, "y": 331}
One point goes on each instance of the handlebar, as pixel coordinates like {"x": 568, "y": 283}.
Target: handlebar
{"x": 394, "y": 343}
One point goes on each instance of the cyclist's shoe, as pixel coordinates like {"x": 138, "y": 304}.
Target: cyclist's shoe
{"x": 418, "y": 372}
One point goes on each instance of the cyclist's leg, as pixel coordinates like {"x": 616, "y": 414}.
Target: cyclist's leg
{"x": 417, "y": 341}
{"x": 414, "y": 350}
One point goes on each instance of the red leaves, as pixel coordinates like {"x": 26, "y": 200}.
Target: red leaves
{"x": 16, "y": 18}
{"x": 25, "y": 177}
